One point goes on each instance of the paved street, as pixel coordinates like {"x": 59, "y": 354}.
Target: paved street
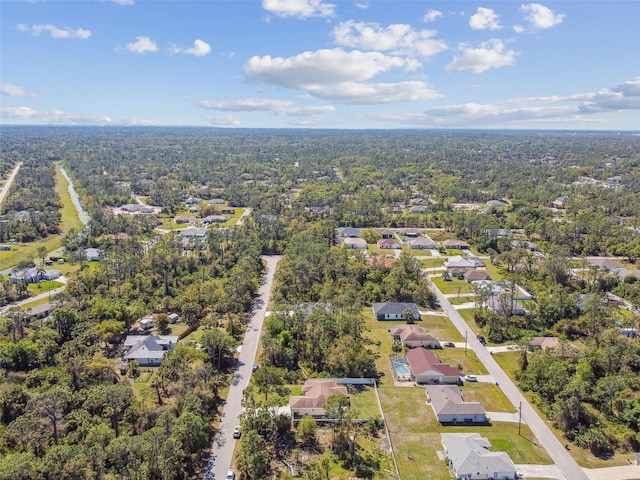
{"x": 7, "y": 185}
{"x": 224, "y": 443}
{"x": 567, "y": 466}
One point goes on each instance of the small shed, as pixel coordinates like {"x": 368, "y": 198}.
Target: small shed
{"x": 146, "y": 323}
{"x": 173, "y": 318}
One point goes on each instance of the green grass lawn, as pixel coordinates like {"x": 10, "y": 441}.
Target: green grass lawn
{"x": 69, "y": 214}
{"x": 429, "y": 264}
{"x": 452, "y": 286}
{"x": 462, "y": 299}
{"x": 364, "y": 402}
{"x": 489, "y": 395}
{"x": 43, "y": 287}
{"x": 441, "y": 327}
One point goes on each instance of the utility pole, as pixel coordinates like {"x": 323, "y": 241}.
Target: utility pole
{"x": 519, "y": 417}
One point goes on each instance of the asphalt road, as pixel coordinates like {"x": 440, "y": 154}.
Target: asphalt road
{"x": 223, "y": 442}
{"x": 561, "y": 457}
{"x": 7, "y": 185}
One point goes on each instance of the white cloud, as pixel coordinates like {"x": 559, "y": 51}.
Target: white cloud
{"x": 484, "y": 19}
{"x": 55, "y": 32}
{"x": 200, "y": 48}
{"x": 431, "y": 15}
{"x": 356, "y": 93}
{"x": 363, "y": 5}
{"x": 490, "y": 54}
{"x": 142, "y": 45}
{"x": 53, "y": 116}
{"x": 311, "y": 69}
{"x": 123, "y": 2}
{"x": 397, "y": 38}
{"x": 277, "y": 107}
{"x": 541, "y": 17}
{"x": 518, "y": 28}
{"x": 299, "y": 8}
{"x": 14, "y": 91}
{"x": 223, "y": 120}
{"x": 247, "y": 105}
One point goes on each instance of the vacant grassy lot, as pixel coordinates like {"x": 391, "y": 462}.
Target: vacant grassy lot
{"x": 490, "y": 396}
{"x": 452, "y": 286}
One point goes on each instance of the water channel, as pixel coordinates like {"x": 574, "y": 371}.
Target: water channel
{"x": 82, "y": 215}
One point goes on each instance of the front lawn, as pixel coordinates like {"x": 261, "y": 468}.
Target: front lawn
{"x": 452, "y": 286}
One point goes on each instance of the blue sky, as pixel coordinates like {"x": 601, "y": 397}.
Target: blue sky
{"x": 322, "y": 64}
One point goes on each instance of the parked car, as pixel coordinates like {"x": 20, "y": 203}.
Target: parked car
{"x": 236, "y": 432}
{"x": 448, "y": 344}
{"x": 231, "y": 474}
{"x": 255, "y": 367}
{"x": 471, "y": 378}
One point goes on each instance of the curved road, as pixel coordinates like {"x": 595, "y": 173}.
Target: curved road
{"x": 568, "y": 467}
{"x": 224, "y": 443}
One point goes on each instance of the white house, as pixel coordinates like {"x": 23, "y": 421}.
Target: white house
{"x": 148, "y": 349}
{"x": 394, "y": 310}
{"x": 469, "y": 457}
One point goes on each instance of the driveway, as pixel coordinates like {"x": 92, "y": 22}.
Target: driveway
{"x": 567, "y": 466}
{"x": 224, "y": 443}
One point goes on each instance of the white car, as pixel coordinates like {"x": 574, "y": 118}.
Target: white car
{"x": 236, "y": 431}
{"x": 231, "y": 474}
{"x": 471, "y": 378}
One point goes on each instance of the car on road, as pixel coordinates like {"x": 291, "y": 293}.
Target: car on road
{"x": 236, "y": 432}
{"x": 231, "y": 474}
{"x": 255, "y": 367}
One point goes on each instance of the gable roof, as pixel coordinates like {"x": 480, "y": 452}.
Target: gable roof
{"x": 448, "y": 400}
{"x": 395, "y": 308}
{"x": 421, "y": 242}
{"x": 422, "y": 360}
{"x": 150, "y": 347}
{"x": 473, "y": 275}
{"x": 453, "y": 243}
{"x": 468, "y": 452}
{"x": 388, "y": 242}
{"x": 316, "y": 392}
{"x": 412, "y": 333}
{"x": 545, "y": 342}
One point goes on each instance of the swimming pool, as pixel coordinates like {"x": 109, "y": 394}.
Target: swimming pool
{"x": 401, "y": 369}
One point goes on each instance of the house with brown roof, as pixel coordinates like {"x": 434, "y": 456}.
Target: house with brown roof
{"x": 383, "y": 232}
{"x": 450, "y": 407}
{"x": 214, "y": 219}
{"x": 413, "y": 336}
{"x": 554, "y": 345}
{"x": 410, "y": 232}
{"x": 357, "y": 243}
{"x": 227, "y": 210}
{"x": 473, "y": 275}
{"x": 316, "y": 392}
{"x": 427, "y": 367}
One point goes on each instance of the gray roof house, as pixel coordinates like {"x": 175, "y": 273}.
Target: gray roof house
{"x": 470, "y": 459}
{"x": 394, "y": 310}
{"x": 422, "y": 243}
{"x": 450, "y": 407}
{"x": 348, "y": 232}
{"x": 148, "y": 349}
{"x": 93, "y": 254}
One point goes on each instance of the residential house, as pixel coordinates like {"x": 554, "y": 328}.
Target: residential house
{"x": 560, "y": 202}
{"x": 227, "y": 210}
{"x": 459, "y": 262}
{"x": 455, "y": 244}
{"x": 450, "y": 407}
{"x": 469, "y": 458}
{"x": 474, "y": 275}
{"x": 316, "y": 393}
{"x": 496, "y": 203}
{"x": 496, "y": 305}
{"x": 134, "y": 208}
{"x": 356, "y": 243}
{"x": 394, "y": 310}
{"x": 40, "y": 311}
{"x": 410, "y": 232}
{"x": 389, "y": 243}
{"x": 348, "y": 232}
{"x": 193, "y": 232}
{"x": 606, "y": 264}
{"x": 308, "y": 308}
{"x": 214, "y": 219}
{"x": 422, "y": 243}
{"x": 428, "y": 368}
{"x": 148, "y": 349}
{"x": 531, "y": 247}
{"x": 193, "y": 201}
{"x": 22, "y": 216}
{"x": 417, "y": 209}
{"x": 384, "y": 232}
{"x": 216, "y": 201}
{"x": 190, "y": 219}
{"x": 33, "y": 275}
{"x": 413, "y": 336}
{"x": 93, "y": 254}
